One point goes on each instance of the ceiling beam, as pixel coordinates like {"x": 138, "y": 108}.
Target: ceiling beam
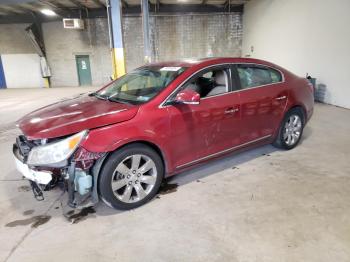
{"x": 125, "y": 4}
{"x": 78, "y": 4}
{"x": 30, "y": 7}
{"x": 50, "y": 4}
{"x": 13, "y": 17}
{"x": 98, "y": 3}
{"x": 103, "y": 2}
{"x": 58, "y": 8}
{"x": 227, "y": 3}
{"x": 5, "y": 11}
{"x": 156, "y": 6}
{"x": 12, "y": 2}
{"x": 188, "y": 8}
{"x": 13, "y": 9}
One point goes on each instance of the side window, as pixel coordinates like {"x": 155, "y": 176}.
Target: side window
{"x": 210, "y": 83}
{"x": 251, "y": 76}
{"x": 275, "y": 76}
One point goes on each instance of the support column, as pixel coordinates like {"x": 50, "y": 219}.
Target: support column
{"x": 146, "y": 33}
{"x": 116, "y": 31}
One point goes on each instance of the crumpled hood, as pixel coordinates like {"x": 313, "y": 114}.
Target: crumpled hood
{"x": 74, "y": 115}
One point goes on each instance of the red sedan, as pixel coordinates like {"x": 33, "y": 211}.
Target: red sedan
{"x": 118, "y": 143}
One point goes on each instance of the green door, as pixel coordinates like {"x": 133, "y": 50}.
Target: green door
{"x": 84, "y": 72}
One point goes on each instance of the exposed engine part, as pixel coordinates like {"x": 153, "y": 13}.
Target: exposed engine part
{"x": 37, "y": 191}
{"x": 70, "y": 185}
{"x": 53, "y": 183}
{"x": 76, "y": 176}
{"x": 82, "y": 182}
{"x": 79, "y": 187}
{"x": 24, "y": 146}
{"x": 85, "y": 159}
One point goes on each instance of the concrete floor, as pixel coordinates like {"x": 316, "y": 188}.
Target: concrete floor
{"x": 260, "y": 205}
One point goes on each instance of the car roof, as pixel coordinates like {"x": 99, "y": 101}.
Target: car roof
{"x": 209, "y": 61}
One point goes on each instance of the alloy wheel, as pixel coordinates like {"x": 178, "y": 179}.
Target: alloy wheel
{"x": 292, "y": 130}
{"x": 134, "y": 178}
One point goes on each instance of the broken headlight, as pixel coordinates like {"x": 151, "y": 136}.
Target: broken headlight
{"x": 55, "y": 152}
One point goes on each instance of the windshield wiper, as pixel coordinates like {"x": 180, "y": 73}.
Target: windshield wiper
{"x": 95, "y": 94}
{"x": 113, "y": 99}
{"x": 109, "y": 98}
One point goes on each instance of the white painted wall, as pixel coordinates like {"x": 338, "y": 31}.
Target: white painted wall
{"x": 304, "y": 36}
{"x": 22, "y": 70}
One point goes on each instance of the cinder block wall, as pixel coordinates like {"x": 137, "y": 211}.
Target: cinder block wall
{"x": 13, "y": 39}
{"x": 172, "y": 37}
{"x": 197, "y": 36}
{"x": 184, "y": 36}
{"x": 62, "y": 45}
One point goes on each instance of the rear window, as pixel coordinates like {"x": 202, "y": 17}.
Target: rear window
{"x": 252, "y": 76}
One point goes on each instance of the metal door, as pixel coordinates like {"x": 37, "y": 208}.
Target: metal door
{"x": 83, "y": 68}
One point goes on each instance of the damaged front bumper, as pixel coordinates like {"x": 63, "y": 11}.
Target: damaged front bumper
{"x": 77, "y": 175}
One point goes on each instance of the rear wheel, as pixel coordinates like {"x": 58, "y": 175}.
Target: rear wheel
{"x": 291, "y": 129}
{"x": 131, "y": 177}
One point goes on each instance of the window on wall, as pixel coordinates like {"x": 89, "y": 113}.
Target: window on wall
{"x": 210, "y": 83}
{"x": 252, "y": 76}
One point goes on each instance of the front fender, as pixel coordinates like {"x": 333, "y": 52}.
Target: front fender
{"x": 154, "y": 131}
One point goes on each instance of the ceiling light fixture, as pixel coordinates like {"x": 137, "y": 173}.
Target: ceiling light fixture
{"x": 48, "y": 12}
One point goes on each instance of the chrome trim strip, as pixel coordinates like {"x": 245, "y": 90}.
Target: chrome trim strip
{"x": 281, "y": 97}
{"x": 224, "y": 151}
{"x": 191, "y": 103}
{"x": 240, "y": 90}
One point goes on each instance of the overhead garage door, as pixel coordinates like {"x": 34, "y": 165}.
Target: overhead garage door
{"x": 22, "y": 70}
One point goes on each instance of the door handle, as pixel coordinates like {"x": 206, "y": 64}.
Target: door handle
{"x": 231, "y": 111}
{"x": 281, "y": 97}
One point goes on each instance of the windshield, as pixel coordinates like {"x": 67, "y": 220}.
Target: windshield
{"x": 140, "y": 85}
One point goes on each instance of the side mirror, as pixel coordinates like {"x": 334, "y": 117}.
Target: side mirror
{"x": 187, "y": 97}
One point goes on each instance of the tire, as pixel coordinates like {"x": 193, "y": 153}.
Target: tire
{"x": 291, "y": 129}
{"x": 131, "y": 177}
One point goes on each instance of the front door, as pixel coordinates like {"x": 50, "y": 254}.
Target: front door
{"x": 203, "y": 130}
{"x": 84, "y": 72}
{"x": 263, "y": 99}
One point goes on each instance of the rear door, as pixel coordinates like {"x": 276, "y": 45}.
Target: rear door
{"x": 199, "y": 131}
{"x": 263, "y": 99}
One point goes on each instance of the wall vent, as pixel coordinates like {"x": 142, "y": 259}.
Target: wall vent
{"x": 73, "y": 23}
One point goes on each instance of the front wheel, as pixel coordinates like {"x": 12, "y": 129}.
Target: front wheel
{"x": 291, "y": 129}
{"x": 131, "y": 177}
